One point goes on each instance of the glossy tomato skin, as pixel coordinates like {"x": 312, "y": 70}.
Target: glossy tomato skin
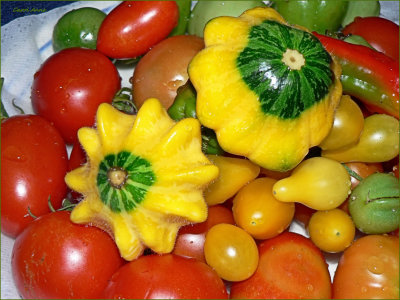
{"x": 54, "y": 258}
{"x": 380, "y": 33}
{"x": 290, "y": 267}
{"x": 133, "y": 27}
{"x": 191, "y": 238}
{"x": 163, "y": 69}
{"x": 70, "y": 85}
{"x": 33, "y": 165}
{"x": 369, "y": 269}
{"x": 166, "y": 276}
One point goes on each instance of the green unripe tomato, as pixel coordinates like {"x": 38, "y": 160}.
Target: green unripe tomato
{"x": 204, "y": 11}
{"x": 78, "y": 28}
{"x": 316, "y": 15}
{"x": 374, "y": 204}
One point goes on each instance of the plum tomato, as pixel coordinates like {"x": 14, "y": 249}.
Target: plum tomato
{"x": 34, "y": 162}
{"x": 380, "y": 33}
{"x": 166, "y": 276}
{"x": 231, "y": 252}
{"x": 70, "y": 85}
{"x": 256, "y": 210}
{"x": 78, "y": 28}
{"x": 54, "y": 258}
{"x": 133, "y": 27}
{"x": 368, "y": 269}
{"x": 331, "y": 230}
{"x": 163, "y": 69}
{"x": 191, "y": 238}
{"x": 290, "y": 267}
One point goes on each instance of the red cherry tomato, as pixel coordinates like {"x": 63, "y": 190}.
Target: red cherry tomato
{"x": 191, "y": 238}
{"x": 380, "y": 33}
{"x": 290, "y": 267}
{"x": 369, "y": 269}
{"x": 55, "y": 258}
{"x": 33, "y": 165}
{"x": 133, "y": 27}
{"x": 70, "y": 85}
{"x": 167, "y": 276}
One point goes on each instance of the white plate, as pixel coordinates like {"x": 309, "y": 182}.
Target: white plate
{"x": 25, "y": 45}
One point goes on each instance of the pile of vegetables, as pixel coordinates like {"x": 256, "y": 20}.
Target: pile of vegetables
{"x": 243, "y": 120}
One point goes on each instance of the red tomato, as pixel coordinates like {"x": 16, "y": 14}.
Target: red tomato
{"x": 164, "y": 69}
{"x": 77, "y": 157}
{"x": 396, "y": 170}
{"x": 165, "y": 276}
{"x": 303, "y": 213}
{"x": 380, "y": 33}
{"x": 133, "y": 27}
{"x": 290, "y": 267}
{"x": 33, "y": 165}
{"x": 70, "y": 85}
{"x": 191, "y": 238}
{"x": 369, "y": 269}
{"x": 54, "y": 258}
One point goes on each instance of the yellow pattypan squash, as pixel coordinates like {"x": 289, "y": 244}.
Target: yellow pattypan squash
{"x": 269, "y": 90}
{"x": 144, "y": 177}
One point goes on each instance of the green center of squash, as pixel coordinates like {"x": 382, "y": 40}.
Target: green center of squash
{"x": 287, "y": 68}
{"x": 123, "y": 180}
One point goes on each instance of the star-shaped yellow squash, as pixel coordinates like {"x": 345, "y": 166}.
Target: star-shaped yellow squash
{"x": 144, "y": 177}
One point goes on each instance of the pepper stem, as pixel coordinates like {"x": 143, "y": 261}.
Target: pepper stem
{"x": 293, "y": 59}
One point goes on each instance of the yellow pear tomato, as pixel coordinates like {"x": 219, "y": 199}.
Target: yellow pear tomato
{"x": 319, "y": 183}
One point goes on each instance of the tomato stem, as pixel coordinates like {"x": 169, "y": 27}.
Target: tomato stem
{"x": 123, "y": 101}
{"x": 352, "y": 173}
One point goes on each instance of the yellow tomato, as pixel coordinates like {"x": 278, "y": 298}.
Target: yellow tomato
{"x": 231, "y": 252}
{"x": 256, "y": 210}
{"x": 331, "y": 230}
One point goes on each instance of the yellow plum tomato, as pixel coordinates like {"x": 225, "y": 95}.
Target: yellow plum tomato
{"x": 256, "y": 210}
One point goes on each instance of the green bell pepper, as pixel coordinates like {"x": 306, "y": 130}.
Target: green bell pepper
{"x": 184, "y": 106}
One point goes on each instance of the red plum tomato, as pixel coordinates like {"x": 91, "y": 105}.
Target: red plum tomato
{"x": 369, "y": 269}
{"x": 34, "y": 161}
{"x": 163, "y": 69}
{"x": 290, "y": 267}
{"x": 54, "y": 258}
{"x": 380, "y": 33}
{"x": 166, "y": 276}
{"x": 133, "y": 27}
{"x": 70, "y": 85}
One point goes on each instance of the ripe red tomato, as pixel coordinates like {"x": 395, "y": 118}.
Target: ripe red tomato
{"x": 55, "y": 258}
{"x": 133, "y": 27}
{"x": 290, "y": 267}
{"x": 163, "y": 69}
{"x": 167, "y": 276}
{"x": 369, "y": 269}
{"x": 380, "y": 33}
{"x": 33, "y": 165}
{"x": 70, "y": 85}
{"x": 191, "y": 238}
